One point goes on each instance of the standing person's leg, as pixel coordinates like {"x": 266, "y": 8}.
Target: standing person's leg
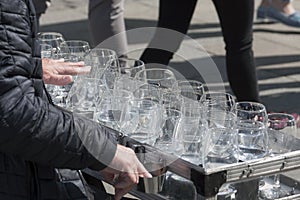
{"x": 236, "y": 18}
{"x": 106, "y": 19}
{"x": 40, "y": 8}
{"x": 173, "y": 15}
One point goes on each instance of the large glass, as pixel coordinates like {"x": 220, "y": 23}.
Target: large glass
{"x": 111, "y": 108}
{"x": 190, "y": 89}
{"x": 84, "y": 96}
{"x": 219, "y": 101}
{"x": 104, "y": 65}
{"x": 163, "y": 78}
{"x": 252, "y": 134}
{"x": 53, "y": 39}
{"x": 220, "y": 143}
{"x": 144, "y": 119}
{"x": 169, "y": 141}
{"x": 129, "y": 67}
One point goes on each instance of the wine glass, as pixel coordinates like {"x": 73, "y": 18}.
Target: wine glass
{"x": 281, "y": 127}
{"x": 221, "y": 139}
{"x": 220, "y": 101}
{"x": 143, "y": 118}
{"x": 251, "y": 126}
{"x": 111, "y": 109}
{"x": 129, "y": 67}
{"x": 52, "y": 38}
{"x": 163, "y": 78}
{"x": 74, "y": 51}
{"x": 104, "y": 65}
{"x": 168, "y": 141}
{"x": 84, "y": 96}
{"x": 190, "y": 89}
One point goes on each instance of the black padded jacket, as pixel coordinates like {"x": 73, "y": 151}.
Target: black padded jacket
{"x": 36, "y": 137}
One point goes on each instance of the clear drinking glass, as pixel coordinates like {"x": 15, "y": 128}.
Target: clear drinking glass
{"x": 191, "y": 129}
{"x": 173, "y": 100}
{"x": 220, "y": 142}
{"x": 129, "y": 67}
{"x": 144, "y": 119}
{"x": 281, "y": 129}
{"x": 110, "y": 109}
{"x": 163, "y": 78}
{"x": 252, "y": 134}
{"x": 148, "y": 91}
{"x": 104, "y": 65}
{"x": 190, "y": 89}
{"x": 84, "y": 96}
{"x": 169, "y": 140}
{"x": 52, "y": 38}
{"x": 74, "y": 50}
{"x": 220, "y": 101}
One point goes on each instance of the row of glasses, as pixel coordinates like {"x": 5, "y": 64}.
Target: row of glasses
{"x": 63, "y": 51}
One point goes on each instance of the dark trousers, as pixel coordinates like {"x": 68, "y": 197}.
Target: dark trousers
{"x": 236, "y": 20}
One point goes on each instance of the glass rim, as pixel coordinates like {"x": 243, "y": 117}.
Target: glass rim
{"x": 261, "y": 106}
{"x": 283, "y": 115}
{"x": 169, "y": 73}
{"x": 106, "y": 50}
{"x": 85, "y": 43}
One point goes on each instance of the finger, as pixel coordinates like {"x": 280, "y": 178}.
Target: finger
{"x": 59, "y": 79}
{"x": 119, "y": 193}
{"x": 61, "y": 60}
{"x": 127, "y": 180}
{"x": 79, "y": 64}
{"x": 72, "y": 70}
{"x": 143, "y": 172}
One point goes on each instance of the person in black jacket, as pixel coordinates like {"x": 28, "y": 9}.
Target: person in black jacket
{"x": 43, "y": 146}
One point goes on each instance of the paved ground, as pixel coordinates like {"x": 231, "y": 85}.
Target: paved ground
{"x": 276, "y": 46}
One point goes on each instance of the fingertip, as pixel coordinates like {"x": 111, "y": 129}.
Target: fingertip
{"x": 67, "y": 79}
{"x": 147, "y": 175}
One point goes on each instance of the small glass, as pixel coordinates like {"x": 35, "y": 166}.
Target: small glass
{"x": 169, "y": 141}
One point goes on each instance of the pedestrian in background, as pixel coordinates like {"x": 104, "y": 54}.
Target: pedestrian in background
{"x": 236, "y": 20}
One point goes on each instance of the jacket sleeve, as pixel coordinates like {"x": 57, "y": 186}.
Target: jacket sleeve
{"x": 30, "y": 127}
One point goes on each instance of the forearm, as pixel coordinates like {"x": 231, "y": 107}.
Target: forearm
{"x": 40, "y": 132}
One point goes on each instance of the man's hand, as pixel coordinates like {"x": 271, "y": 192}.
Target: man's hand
{"x": 124, "y": 171}
{"x": 58, "y": 72}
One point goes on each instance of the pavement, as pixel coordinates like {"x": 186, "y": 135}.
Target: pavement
{"x": 276, "y": 46}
